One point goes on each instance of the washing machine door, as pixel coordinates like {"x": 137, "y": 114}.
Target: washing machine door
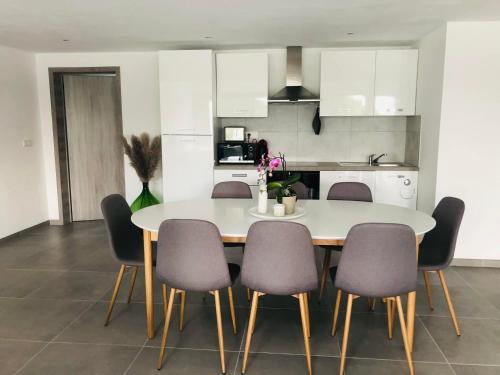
{"x": 396, "y": 187}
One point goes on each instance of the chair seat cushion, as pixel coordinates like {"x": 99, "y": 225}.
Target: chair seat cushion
{"x": 430, "y": 259}
{"x": 234, "y": 271}
{"x": 138, "y": 258}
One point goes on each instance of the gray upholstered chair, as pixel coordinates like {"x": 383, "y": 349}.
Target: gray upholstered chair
{"x": 342, "y": 191}
{"x": 191, "y": 258}
{"x": 438, "y": 247}
{"x": 300, "y": 188}
{"x": 279, "y": 259}
{"x": 126, "y": 242}
{"x": 232, "y": 189}
{"x": 378, "y": 260}
{"x": 235, "y": 190}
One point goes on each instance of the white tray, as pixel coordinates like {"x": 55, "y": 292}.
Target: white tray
{"x": 299, "y": 212}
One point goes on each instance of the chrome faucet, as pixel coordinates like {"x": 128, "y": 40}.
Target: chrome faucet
{"x": 372, "y": 160}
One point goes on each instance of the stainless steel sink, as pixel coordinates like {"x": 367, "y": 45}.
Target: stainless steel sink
{"x": 363, "y": 164}
{"x": 389, "y": 165}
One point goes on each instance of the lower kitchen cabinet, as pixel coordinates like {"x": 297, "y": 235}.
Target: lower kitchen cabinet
{"x": 328, "y": 178}
{"x": 398, "y": 188}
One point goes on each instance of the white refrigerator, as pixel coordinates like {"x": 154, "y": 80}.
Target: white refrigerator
{"x": 188, "y": 162}
{"x": 187, "y": 92}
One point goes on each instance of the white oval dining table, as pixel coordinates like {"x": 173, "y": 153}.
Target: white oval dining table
{"x": 328, "y": 221}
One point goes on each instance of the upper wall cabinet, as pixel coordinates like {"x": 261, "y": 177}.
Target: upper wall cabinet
{"x": 395, "y": 82}
{"x": 242, "y": 84}
{"x": 187, "y": 87}
{"x": 347, "y": 83}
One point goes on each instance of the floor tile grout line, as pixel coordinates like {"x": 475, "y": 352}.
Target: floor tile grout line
{"x": 54, "y": 338}
{"x": 241, "y": 345}
{"x": 437, "y": 345}
{"x": 136, "y": 356}
{"x": 475, "y": 290}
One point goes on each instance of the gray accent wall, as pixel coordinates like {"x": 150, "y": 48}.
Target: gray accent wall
{"x": 288, "y": 130}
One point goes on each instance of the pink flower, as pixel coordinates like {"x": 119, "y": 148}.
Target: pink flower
{"x": 275, "y": 163}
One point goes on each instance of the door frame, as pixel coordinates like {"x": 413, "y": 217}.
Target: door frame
{"x": 59, "y": 131}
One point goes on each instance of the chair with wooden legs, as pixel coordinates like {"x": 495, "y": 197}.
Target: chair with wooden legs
{"x": 438, "y": 248}
{"x": 191, "y": 258}
{"x": 234, "y": 190}
{"x": 342, "y": 191}
{"x": 126, "y": 243}
{"x": 279, "y": 260}
{"x": 378, "y": 260}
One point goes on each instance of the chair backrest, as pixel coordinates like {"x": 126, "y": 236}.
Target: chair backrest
{"x": 232, "y": 189}
{"x": 350, "y": 191}
{"x": 441, "y": 241}
{"x": 300, "y": 188}
{"x": 279, "y": 258}
{"x": 125, "y": 238}
{"x": 191, "y": 256}
{"x": 378, "y": 260}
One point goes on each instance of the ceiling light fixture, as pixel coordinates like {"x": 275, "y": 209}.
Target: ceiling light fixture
{"x": 207, "y": 37}
{"x": 350, "y": 33}
{"x": 65, "y": 40}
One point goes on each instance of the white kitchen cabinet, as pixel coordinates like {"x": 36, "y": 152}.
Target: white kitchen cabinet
{"x": 347, "y": 83}
{"x": 187, "y": 88}
{"x": 398, "y": 188}
{"x": 187, "y": 167}
{"x": 395, "y": 82}
{"x": 242, "y": 84}
{"x": 328, "y": 178}
{"x": 248, "y": 176}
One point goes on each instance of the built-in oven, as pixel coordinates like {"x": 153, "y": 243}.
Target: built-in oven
{"x": 308, "y": 178}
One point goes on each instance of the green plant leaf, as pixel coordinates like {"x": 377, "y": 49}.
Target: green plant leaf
{"x": 274, "y": 185}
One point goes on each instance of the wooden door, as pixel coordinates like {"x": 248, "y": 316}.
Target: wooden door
{"x": 95, "y": 154}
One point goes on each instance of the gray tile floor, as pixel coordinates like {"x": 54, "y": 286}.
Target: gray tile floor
{"x": 55, "y": 283}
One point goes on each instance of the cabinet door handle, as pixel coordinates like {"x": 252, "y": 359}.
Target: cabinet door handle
{"x": 239, "y": 175}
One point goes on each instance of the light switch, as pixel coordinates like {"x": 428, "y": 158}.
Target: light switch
{"x": 27, "y": 143}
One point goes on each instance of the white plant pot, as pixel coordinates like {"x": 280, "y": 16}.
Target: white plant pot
{"x": 289, "y": 203}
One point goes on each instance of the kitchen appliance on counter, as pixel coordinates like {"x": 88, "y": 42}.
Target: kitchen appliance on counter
{"x": 234, "y": 149}
{"x": 236, "y": 153}
{"x": 308, "y": 178}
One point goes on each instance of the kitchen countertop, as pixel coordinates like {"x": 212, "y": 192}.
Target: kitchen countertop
{"x": 324, "y": 166}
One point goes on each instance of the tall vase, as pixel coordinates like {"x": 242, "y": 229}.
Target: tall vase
{"x": 262, "y": 199}
{"x": 145, "y": 199}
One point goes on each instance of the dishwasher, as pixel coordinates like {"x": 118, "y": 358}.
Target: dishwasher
{"x": 398, "y": 188}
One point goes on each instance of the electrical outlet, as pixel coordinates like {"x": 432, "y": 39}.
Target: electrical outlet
{"x": 253, "y": 135}
{"x": 27, "y": 143}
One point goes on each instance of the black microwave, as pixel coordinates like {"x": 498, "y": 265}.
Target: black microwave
{"x": 236, "y": 153}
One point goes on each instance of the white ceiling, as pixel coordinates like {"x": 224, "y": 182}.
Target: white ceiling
{"x": 123, "y": 25}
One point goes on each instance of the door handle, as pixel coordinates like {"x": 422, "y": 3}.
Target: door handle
{"x": 239, "y": 175}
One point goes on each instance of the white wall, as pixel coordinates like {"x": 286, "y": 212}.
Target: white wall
{"x": 428, "y": 107}
{"x": 22, "y": 183}
{"x": 140, "y": 108}
{"x": 469, "y": 153}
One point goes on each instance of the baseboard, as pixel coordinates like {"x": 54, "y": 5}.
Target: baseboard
{"x": 492, "y": 263}
{"x": 24, "y": 230}
{"x": 57, "y": 222}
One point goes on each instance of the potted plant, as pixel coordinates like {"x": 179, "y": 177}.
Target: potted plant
{"x": 144, "y": 155}
{"x": 284, "y": 189}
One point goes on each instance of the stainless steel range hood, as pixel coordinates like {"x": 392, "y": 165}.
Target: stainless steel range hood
{"x": 293, "y": 91}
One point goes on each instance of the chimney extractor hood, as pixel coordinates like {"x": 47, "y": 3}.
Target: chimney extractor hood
{"x": 293, "y": 91}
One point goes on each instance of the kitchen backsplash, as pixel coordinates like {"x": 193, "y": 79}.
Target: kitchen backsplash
{"x": 288, "y": 129}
